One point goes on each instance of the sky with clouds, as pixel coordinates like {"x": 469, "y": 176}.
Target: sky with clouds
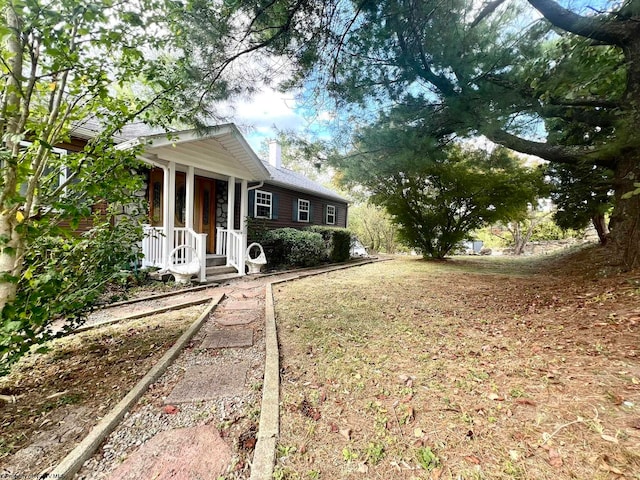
{"x": 267, "y": 112}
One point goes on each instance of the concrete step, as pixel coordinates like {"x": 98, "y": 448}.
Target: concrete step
{"x": 220, "y": 270}
{"x": 216, "y": 260}
{"x": 221, "y": 277}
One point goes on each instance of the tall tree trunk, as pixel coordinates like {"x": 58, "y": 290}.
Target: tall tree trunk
{"x": 625, "y": 220}
{"x": 10, "y": 245}
{"x": 11, "y": 241}
{"x": 600, "y": 224}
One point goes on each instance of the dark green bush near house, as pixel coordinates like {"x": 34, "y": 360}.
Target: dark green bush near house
{"x": 256, "y": 229}
{"x": 291, "y": 247}
{"x": 337, "y": 242}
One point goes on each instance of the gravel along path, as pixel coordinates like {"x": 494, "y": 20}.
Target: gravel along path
{"x": 140, "y": 307}
{"x": 234, "y": 413}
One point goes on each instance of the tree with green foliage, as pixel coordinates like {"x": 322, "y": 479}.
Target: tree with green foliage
{"x": 373, "y": 226}
{"x": 62, "y": 63}
{"x": 70, "y": 64}
{"x": 582, "y": 195}
{"x": 523, "y": 229}
{"x": 438, "y": 196}
{"x": 561, "y": 83}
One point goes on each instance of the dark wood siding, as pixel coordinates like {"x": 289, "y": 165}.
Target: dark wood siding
{"x": 286, "y": 202}
{"x": 86, "y": 223}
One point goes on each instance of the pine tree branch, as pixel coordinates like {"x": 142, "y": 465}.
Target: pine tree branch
{"x": 572, "y": 155}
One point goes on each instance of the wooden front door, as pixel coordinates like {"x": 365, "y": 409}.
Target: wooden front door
{"x": 205, "y": 211}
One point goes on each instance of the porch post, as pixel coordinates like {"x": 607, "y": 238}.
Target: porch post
{"x": 244, "y": 213}
{"x": 190, "y": 194}
{"x": 169, "y": 209}
{"x": 231, "y": 200}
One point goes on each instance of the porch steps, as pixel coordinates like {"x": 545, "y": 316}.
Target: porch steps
{"x": 221, "y": 273}
{"x": 220, "y": 270}
{"x": 220, "y": 278}
{"x": 216, "y": 260}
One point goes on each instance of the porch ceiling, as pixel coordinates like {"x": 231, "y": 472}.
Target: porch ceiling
{"x": 222, "y": 150}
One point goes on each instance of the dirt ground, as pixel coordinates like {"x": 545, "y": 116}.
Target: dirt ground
{"x": 60, "y": 395}
{"x": 472, "y": 368}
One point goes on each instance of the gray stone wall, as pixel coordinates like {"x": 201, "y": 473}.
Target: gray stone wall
{"x": 138, "y": 209}
{"x": 222, "y": 206}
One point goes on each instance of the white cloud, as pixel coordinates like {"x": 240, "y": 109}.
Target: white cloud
{"x": 264, "y": 114}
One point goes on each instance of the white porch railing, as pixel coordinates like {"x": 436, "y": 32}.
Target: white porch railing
{"x": 230, "y": 243}
{"x": 152, "y": 247}
{"x": 155, "y": 256}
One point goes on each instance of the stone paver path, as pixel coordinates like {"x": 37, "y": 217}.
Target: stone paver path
{"x": 229, "y": 338}
{"x": 196, "y": 453}
{"x": 207, "y": 383}
{"x": 199, "y": 452}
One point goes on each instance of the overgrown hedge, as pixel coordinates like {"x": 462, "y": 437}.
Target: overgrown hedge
{"x": 337, "y": 242}
{"x": 64, "y": 276}
{"x": 312, "y": 246}
{"x": 292, "y": 247}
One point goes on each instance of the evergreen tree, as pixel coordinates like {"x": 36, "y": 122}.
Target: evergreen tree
{"x": 561, "y": 83}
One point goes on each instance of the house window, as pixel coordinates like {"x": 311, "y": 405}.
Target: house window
{"x": 52, "y": 177}
{"x": 156, "y": 203}
{"x": 263, "y": 204}
{"x": 331, "y": 215}
{"x": 303, "y": 210}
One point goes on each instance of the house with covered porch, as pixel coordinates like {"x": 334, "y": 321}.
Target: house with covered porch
{"x": 202, "y": 188}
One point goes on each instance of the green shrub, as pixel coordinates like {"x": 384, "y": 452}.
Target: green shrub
{"x": 337, "y": 242}
{"x": 65, "y": 274}
{"x": 291, "y": 247}
{"x": 257, "y": 229}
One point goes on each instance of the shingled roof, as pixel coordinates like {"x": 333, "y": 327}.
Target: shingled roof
{"x": 283, "y": 177}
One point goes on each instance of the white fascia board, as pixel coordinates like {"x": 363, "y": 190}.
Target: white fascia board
{"x": 183, "y": 136}
{"x": 262, "y": 171}
{"x": 153, "y": 160}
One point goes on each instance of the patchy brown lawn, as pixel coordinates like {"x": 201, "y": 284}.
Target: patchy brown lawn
{"x": 474, "y": 368}
{"x": 62, "y": 394}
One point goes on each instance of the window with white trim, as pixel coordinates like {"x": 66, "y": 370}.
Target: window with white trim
{"x": 263, "y": 204}
{"x": 304, "y": 208}
{"x": 331, "y": 215}
{"x": 51, "y": 177}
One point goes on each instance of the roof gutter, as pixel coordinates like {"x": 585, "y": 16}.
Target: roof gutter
{"x": 134, "y": 142}
{"x": 256, "y": 186}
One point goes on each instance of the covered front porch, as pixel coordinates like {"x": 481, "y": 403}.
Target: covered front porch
{"x": 198, "y": 198}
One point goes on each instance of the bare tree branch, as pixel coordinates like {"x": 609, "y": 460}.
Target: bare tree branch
{"x": 488, "y": 9}
{"x": 605, "y": 30}
{"x": 571, "y": 155}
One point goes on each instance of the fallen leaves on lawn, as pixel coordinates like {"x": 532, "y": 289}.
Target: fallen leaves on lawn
{"x": 308, "y": 410}
{"x": 555, "y": 459}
